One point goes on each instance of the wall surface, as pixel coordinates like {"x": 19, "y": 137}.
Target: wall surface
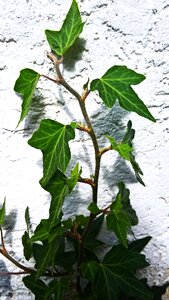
{"x": 129, "y": 32}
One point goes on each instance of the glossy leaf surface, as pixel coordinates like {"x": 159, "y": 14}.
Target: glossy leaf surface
{"x": 75, "y": 174}
{"x": 60, "y": 41}
{"x": 116, "y": 84}
{"x": 52, "y": 139}
{"x": 27, "y": 246}
{"x": 116, "y": 273}
{"x": 58, "y": 187}
{"x": 38, "y": 287}
{"x": 122, "y": 216}
{"x": 122, "y": 148}
{"x": 2, "y": 213}
{"x": 25, "y": 86}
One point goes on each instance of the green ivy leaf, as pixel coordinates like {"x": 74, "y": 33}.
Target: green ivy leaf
{"x": 139, "y": 245}
{"x": 122, "y": 148}
{"x": 124, "y": 193}
{"x": 75, "y": 174}
{"x": 116, "y": 84}
{"x": 91, "y": 241}
{"x": 119, "y": 223}
{"x": 37, "y": 286}
{"x": 27, "y": 219}
{"x": 66, "y": 260}
{"x": 41, "y": 291}
{"x": 60, "y": 41}
{"x": 56, "y": 289}
{"x": 27, "y": 246}
{"x": 52, "y": 139}
{"x": 41, "y": 232}
{"x": 128, "y": 137}
{"x": 2, "y": 213}
{"x": 122, "y": 216}
{"x": 93, "y": 208}
{"x": 116, "y": 273}
{"x": 44, "y": 256}
{"x": 25, "y": 86}
{"x": 58, "y": 187}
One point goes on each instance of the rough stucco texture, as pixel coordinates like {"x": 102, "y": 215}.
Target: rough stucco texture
{"x": 129, "y": 32}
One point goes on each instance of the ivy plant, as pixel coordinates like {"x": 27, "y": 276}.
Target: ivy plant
{"x": 65, "y": 251}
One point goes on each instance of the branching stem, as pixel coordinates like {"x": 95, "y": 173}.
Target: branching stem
{"x": 91, "y": 132}
{"x": 4, "y": 252}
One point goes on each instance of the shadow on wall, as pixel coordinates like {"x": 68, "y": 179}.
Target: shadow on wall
{"x": 5, "y": 285}
{"x": 105, "y": 122}
{"x": 35, "y": 115}
{"x": 74, "y": 54}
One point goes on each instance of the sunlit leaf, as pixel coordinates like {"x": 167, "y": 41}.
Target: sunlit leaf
{"x": 75, "y": 174}
{"x": 60, "y": 41}
{"x": 2, "y": 213}
{"x": 52, "y": 139}
{"x": 116, "y": 84}
{"x": 44, "y": 256}
{"x": 93, "y": 208}
{"x": 122, "y": 148}
{"x": 25, "y": 86}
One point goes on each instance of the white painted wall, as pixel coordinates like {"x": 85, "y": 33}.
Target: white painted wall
{"x": 129, "y": 32}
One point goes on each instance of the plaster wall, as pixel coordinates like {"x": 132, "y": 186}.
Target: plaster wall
{"x": 121, "y": 32}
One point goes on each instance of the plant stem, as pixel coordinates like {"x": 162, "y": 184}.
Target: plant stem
{"x": 91, "y": 132}
{"x": 4, "y": 252}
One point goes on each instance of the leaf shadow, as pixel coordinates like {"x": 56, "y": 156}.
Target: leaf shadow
{"x": 9, "y": 225}
{"x": 5, "y": 286}
{"x": 35, "y": 114}
{"x": 74, "y": 54}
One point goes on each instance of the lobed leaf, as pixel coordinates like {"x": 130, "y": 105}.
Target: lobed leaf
{"x": 116, "y": 84}
{"x": 52, "y": 139}
{"x": 122, "y": 148}
{"x": 44, "y": 256}
{"x": 116, "y": 274}
{"x": 60, "y": 41}
{"x": 119, "y": 223}
{"x": 56, "y": 289}
{"x": 37, "y": 287}
{"x": 25, "y": 86}
{"x": 122, "y": 216}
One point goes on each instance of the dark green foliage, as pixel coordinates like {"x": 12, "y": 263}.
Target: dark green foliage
{"x": 71, "y": 261}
